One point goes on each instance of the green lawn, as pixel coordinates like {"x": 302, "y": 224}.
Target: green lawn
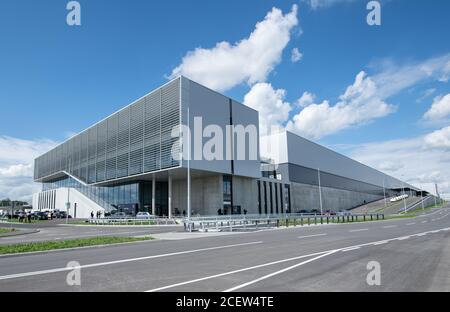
{"x": 2, "y": 231}
{"x": 51, "y": 245}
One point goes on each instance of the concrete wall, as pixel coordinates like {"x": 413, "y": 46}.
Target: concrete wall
{"x": 245, "y": 194}
{"x": 306, "y": 197}
{"x": 207, "y": 196}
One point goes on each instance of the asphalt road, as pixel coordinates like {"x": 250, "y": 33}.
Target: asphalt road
{"x": 413, "y": 254}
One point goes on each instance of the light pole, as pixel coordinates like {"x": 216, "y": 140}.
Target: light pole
{"x": 68, "y": 195}
{"x": 404, "y": 198}
{"x": 384, "y": 194}
{"x": 320, "y": 192}
{"x": 189, "y": 168}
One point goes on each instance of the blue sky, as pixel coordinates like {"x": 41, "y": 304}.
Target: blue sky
{"x": 56, "y": 80}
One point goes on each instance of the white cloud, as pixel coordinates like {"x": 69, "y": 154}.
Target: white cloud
{"x": 273, "y": 109}
{"x": 439, "y": 139}
{"x": 16, "y": 166}
{"x": 249, "y": 60}
{"x": 366, "y": 99}
{"x": 319, "y": 4}
{"x": 426, "y": 94}
{"x": 306, "y": 99}
{"x": 296, "y": 55}
{"x": 440, "y": 109}
{"x": 360, "y": 104}
{"x": 412, "y": 160}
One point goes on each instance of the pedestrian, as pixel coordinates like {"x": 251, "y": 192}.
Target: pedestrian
{"x": 184, "y": 213}
{"x": 245, "y": 211}
{"x": 92, "y": 215}
{"x": 219, "y": 212}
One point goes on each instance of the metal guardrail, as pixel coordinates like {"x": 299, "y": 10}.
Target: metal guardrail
{"x": 132, "y": 221}
{"x": 247, "y": 222}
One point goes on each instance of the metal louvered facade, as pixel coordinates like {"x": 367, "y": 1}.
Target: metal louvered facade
{"x": 135, "y": 140}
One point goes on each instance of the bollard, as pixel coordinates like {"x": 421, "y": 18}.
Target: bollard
{"x": 287, "y": 222}
{"x": 382, "y": 216}
{"x": 309, "y": 221}
{"x": 295, "y": 222}
{"x": 328, "y": 220}
{"x": 371, "y": 217}
{"x": 321, "y": 220}
{"x": 364, "y": 218}
{"x": 378, "y": 217}
{"x": 301, "y": 221}
{"x": 278, "y": 223}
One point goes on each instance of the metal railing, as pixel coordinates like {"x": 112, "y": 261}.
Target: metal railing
{"x": 132, "y": 221}
{"x": 221, "y": 223}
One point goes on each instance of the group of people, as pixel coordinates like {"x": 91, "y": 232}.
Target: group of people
{"x": 98, "y": 214}
{"x": 25, "y": 217}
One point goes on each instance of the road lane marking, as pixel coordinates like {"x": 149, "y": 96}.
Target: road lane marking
{"x": 403, "y": 238}
{"x": 389, "y": 226}
{"x": 358, "y": 230}
{"x": 351, "y": 248}
{"x": 268, "y": 264}
{"x": 235, "y": 271}
{"x": 412, "y": 223}
{"x": 421, "y": 234}
{"x": 381, "y": 242}
{"x": 315, "y": 235}
{"x": 279, "y": 272}
{"x": 92, "y": 265}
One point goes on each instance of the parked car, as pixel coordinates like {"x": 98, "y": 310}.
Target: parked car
{"x": 39, "y": 215}
{"x": 330, "y": 212}
{"x": 344, "y": 213}
{"x": 144, "y": 216}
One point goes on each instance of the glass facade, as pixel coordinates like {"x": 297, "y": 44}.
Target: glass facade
{"x": 129, "y": 198}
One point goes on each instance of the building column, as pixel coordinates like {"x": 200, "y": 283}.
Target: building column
{"x": 170, "y": 196}
{"x": 153, "y": 195}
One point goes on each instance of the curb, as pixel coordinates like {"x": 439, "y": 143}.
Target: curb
{"x": 19, "y": 232}
{"x": 43, "y": 252}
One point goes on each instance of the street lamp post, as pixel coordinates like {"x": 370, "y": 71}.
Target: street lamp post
{"x": 320, "y": 192}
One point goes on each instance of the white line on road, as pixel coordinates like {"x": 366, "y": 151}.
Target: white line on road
{"x": 412, "y": 223}
{"x": 272, "y": 263}
{"x": 11, "y": 276}
{"x": 235, "y": 271}
{"x": 424, "y": 221}
{"x": 403, "y": 238}
{"x": 389, "y": 226}
{"x": 351, "y": 248}
{"x": 358, "y": 230}
{"x": 315, "y": 235}
{"x": 278, "y": 272}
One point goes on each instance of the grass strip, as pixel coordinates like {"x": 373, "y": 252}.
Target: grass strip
{"x": 3, "y": 231}
{"x": 63, "y": 244}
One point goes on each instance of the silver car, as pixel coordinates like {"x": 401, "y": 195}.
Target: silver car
{"x": 144, "y": 216}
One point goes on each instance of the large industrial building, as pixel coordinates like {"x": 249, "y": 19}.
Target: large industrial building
{"x": 128, "y": 163}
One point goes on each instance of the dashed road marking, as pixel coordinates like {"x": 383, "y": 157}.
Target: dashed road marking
{"x": 358, "y": 230}
{"x": 315, "y": 235}
{"x": 389, "y": 226}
